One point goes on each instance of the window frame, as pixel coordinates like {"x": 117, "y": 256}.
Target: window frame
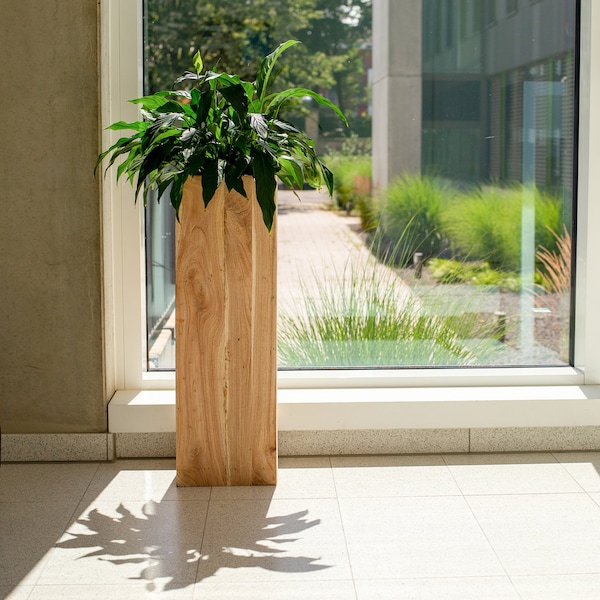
{"x": 121, "y": 69}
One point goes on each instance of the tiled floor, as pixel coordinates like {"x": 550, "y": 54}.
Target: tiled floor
{"x": 521, "y": 526}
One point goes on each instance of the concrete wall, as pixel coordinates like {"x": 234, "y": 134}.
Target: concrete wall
{"x": 51, "y": 361}
{"x": 397, "y": 89}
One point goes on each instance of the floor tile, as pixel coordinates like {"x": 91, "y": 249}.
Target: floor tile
{"x": 542, "y": 533}
{"x": 510, "y": 474}
{"x": 415, "y": 537}
{"x": 456, "y": 588}
{"x": 141, "y": 481}
{"x": 110, "y": 592}
{"x": 399, "y": 525}
{"x": 386, "y": 476}
{"x": 559, "y": 587}
{"x": 309, "y": 477}
{"x": 114, "y": 543}
{"x": 28, "y": 531}
{"x": 288, "y": 590}
{"x": 20, "y": 592}
{"x": 33, "y": 482}
{"x": 267, "y": 540}
{"x": 584, "y": 467}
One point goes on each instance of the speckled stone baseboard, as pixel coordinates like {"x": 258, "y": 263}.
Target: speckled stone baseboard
{"x": 373, "y": 441}
{"x": 438, "y": 441}
{"x": 56, "y": 447}
{"x": 145, "y": 445}
{"x": 533, "y": 439}
{"x": 295, "y": 443}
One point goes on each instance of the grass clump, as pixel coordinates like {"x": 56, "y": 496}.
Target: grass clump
{"x": 485, "y": 224}
{"x": 412, "y": 209}
{"x": 367, "y": 317}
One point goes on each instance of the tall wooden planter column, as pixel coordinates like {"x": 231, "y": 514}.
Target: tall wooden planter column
{"x": 226, "y": 363}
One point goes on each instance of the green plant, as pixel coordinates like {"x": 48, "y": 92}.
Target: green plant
{"x": 451, "y": 271}
{"x": 485, "y": 224}
{"x": 366, "y": 316}
{"x": 222, "y": 128}
{"x": 367, "y": 211}
{"x": 555, "y": 270}
{"x": 411, "y": 210}
{"x": 352, "y": 171}
{"x": 553, "y": 291}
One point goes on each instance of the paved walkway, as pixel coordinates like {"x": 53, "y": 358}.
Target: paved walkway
{"x": 318, "y": 247}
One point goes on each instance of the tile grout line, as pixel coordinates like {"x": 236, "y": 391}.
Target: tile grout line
{"x": 337, "y": 501}
{"x": 506, "y": 573}
{"x": 208, "y": 503}
{"x": 465, "y": 498}
{"x": 71, "y": 520}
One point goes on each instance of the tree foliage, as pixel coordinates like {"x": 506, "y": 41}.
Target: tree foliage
{"x": 234, "y": 35}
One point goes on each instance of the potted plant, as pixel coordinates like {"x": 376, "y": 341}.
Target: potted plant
{"x": 216, "y": 146}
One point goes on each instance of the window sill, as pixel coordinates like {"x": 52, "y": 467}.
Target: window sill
{"x": 312, "y": 402}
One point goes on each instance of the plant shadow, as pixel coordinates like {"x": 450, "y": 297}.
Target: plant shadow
{"x": 170, "y": 545}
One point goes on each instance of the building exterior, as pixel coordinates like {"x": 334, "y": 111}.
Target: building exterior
{"x": 462, "y": 80}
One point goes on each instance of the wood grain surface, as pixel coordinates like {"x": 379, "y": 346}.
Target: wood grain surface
{"x": 226, "y": 361}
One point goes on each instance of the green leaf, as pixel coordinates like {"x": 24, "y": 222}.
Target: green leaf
{"x": 221, "y": 80}
{"x": 236, "y": 96}
{"x": 233, "y": 175}
{"x": 170, "y": 107}
{"x": 184, "y": 93}
{"x": 198, "y": 64}
{"x": 266, "y": 69}
{"x": 293, "y": 171}
{"x": 210, "y": 180}
{"x": 238, "y": 186}
{"x": 259, "y": 124}
{"x": 177, "y": 192}
{"x": 278, "y": 101}
{"x": 187, "y": 76}
{"x": 328, "y": 178}
{"x": 285, "y": 126}
{"x": 264, "y": 174}
{"x": 157, "y": 158}
{"x": 203, "y": 105}
{"x": 124, "y": 166}
{"x": 152, "y": 102}
{"x": 135, "y": 126}
{"x": 120, "y": 147}
{"x": 161, "y": 125}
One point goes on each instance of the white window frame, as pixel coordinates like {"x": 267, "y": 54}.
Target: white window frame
{"x": 317, "y": 399}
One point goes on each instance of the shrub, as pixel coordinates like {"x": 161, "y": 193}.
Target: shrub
{"x": 411, "y": 217}
{"x": 349, "y": 165}
{"x": 368, "y": 212}
{"x": 485, "y": 224}
{"x": 350, "y": 172}
{"x": 365, "y": 317}
{"x": 455, "y": 271}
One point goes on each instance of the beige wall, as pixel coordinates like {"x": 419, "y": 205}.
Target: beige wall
{"x": 51, "y": 371}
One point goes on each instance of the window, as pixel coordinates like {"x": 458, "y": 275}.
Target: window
{"x": 483, "y": 220}
{"x": 125, "y": 350}
{"x": 490, "y": 12}
{"x": 512, "y": 6}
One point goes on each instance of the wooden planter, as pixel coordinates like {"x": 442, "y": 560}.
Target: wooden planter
{"x": 226, "y": 362}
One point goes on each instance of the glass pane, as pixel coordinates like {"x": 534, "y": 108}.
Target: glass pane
{"x": 448, "y": 241}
